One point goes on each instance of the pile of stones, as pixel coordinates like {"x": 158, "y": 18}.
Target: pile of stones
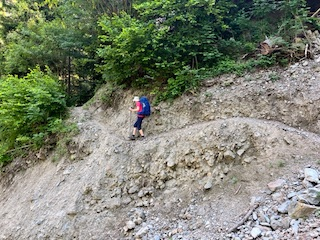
{"x": 289, "y": 209}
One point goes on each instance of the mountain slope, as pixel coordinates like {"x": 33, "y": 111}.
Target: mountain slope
{"x": 204, "y": 158}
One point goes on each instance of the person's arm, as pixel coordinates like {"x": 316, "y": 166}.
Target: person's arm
{"x": 137, "y": 109}
{"x": 134, "y": 109}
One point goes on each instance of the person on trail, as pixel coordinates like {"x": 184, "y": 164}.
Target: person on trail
{"x": 138, "y": 123}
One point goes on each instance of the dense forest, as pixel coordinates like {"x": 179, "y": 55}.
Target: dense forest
{"x": 56, "y": 53}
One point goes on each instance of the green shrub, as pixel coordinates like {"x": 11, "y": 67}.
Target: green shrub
{"x": 262, "y": 61}
{"x": 29, "y": 107}
{"x": 229, "y": 66}
{"x": 274, "y": 76}
{"x": 281, "y": 163}
{"x": 185, "y": 80}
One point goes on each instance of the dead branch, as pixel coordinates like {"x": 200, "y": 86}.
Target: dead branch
{"x": 238, "y": 190}
{"x": 313, "y": 15}
{"x": 245, "y": 218}
{"x": 19, "y": 148}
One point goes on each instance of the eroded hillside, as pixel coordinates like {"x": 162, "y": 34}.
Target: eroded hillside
{"x": 205, "y": 157}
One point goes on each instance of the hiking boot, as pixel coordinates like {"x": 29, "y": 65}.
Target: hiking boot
{"x": 132, "y": 137}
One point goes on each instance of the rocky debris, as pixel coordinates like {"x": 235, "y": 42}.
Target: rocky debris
{"x": 285, "y": 95}
{"x": 290, "y": 210}
{"x": 268, "y": 218}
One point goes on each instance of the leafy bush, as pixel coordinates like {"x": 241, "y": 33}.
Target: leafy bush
{"x": 29, "y": 108}
{"x": 233, "y": 48}
{"x": 184, "y": 81}
{"x": 282, "y": 18}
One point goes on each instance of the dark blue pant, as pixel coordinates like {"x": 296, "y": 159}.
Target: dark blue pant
{"x": 138, "y": 123}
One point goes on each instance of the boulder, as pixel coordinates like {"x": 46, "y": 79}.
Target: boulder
{"x": 301, "y": 210}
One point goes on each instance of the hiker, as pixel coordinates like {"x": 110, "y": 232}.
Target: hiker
{"x": 137, "y": 124}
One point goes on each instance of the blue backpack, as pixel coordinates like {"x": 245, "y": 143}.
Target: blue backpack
{"x": 146, "y": 110}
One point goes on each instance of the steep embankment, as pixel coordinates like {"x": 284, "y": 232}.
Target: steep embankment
{"x": 204, "y": 158}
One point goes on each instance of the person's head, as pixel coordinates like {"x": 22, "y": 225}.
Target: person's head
{"x": 136, "y": 99}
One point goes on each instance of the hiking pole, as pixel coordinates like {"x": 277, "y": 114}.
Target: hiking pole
{"x": 129, "y": 123}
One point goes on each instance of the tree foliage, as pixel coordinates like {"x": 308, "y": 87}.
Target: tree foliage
{"x": 162, "y": 38}
{"x": 59, "y": 34}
